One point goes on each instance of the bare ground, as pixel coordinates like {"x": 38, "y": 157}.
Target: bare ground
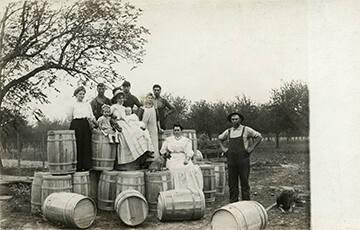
{"x": 270, "y": 170}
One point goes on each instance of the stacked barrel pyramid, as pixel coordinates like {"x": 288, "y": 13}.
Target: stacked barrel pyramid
{"x": 72, "y": 198}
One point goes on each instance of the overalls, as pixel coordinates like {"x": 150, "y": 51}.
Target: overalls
{"x": 238, "y": 166}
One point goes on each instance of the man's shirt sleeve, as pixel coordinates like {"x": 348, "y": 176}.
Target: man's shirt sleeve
{"x": 224, "y": 135}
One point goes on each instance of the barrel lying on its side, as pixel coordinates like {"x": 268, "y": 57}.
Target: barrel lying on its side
{"x": 70, "y": 209}
{"x": 249, "y": 215}
{"x": 131, "y": 206}
{"x": 180, "y": 205}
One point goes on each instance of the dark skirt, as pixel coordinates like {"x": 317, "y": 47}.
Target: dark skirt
{"x": 83, "y": 143}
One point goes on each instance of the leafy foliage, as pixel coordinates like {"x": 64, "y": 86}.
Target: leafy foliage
{"x": 43, "y": 43}
{"x": 289, "y": 108}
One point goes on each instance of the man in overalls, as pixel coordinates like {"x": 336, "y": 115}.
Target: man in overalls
{"x": 238, "y": 155}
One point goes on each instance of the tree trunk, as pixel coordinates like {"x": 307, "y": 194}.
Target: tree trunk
{"x": 1, "y": 164}
{"x": 277, "y": 140}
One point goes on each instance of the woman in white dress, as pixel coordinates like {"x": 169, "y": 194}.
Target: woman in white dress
{"x": 152, "y": 124}
{"x": 184, "y": 173}
{"x": 134, "y": 142}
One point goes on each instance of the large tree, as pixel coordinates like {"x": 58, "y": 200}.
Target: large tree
{"x": 84, "y": 40}
{"x": 42, "y": 42}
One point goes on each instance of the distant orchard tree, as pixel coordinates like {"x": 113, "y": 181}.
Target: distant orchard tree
{"x": 290, "y": 109}
{"x": 201, "y": 116}
{"x": 219, "y": 121}
{"x": 181, "y": 114}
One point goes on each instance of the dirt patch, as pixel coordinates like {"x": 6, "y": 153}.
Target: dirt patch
{"x": 270, "y": 172}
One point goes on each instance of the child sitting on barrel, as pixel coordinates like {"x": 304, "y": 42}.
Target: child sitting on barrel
{"x": 105, "y": 125}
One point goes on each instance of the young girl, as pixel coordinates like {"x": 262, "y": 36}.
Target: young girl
{"x": 81, "y": 116}
{"x": 105, "y": 125}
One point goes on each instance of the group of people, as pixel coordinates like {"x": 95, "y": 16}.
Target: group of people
{"x": 135, "y": 126}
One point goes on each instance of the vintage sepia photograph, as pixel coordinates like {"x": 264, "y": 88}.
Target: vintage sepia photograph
{"x": 124, "y": 114}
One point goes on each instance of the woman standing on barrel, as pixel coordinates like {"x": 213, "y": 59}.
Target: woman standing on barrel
{"x": 81, "y": 116}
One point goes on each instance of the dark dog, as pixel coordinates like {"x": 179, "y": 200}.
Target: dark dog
{"x": 159, "y": 163}
{"x": 285, "y": 201}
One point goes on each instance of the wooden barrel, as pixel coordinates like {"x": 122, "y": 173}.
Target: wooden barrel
{"x": 180, "y": 205}
{"x": 81, "y": 183}
{"x": 131, "y": 206}
{"x": 94, "y": 182}
{"x": 131, "y": 166}
{"x": 103, "y": 153}
{"x": 156, "y": 182}
{"x": 209, "y": 188}
{"x": 61, "y": 151}
{"x": 240, "y": 215}
{"x": 189, "y": 133}
{"x": 36, "y": 191}
{"x": 130, "y": 180}
{"x": 70, "y": 209}
{"x": 53, "y": 184}
{"x": 220, "y": 178}
{"x": 107, "y": 190}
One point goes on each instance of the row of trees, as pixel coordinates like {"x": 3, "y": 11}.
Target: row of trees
{"x": 286, "y": 113}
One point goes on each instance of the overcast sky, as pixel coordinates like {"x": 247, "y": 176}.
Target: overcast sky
{"x": 215, "y": 49}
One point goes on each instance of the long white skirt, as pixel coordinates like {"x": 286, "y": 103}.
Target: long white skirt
{"x": 184, "y": 176}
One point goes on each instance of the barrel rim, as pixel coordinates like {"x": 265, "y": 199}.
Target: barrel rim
{"x": 67, "y": 131}
{"x": 126, "y": 194}
{"x": 53, "y": 177}
{"x": 84, "y": 173}
{"x": 95, "y": 210}
{"x": 131, "y": 173}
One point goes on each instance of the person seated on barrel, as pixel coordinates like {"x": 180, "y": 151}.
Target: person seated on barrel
{"x": 82, "y": 119}
{"x": 105, "y": 126}
{"x": 135, "y": 142}
{"x": 184, "y": 173}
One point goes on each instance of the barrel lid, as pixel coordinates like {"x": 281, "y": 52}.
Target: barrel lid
{"x": 119, "y": 205}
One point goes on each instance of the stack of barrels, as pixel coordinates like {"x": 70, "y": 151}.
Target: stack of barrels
{"x": 72, "y": 198}
{"x": 128, "y": 191}
{"x": 61, "y": 194}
